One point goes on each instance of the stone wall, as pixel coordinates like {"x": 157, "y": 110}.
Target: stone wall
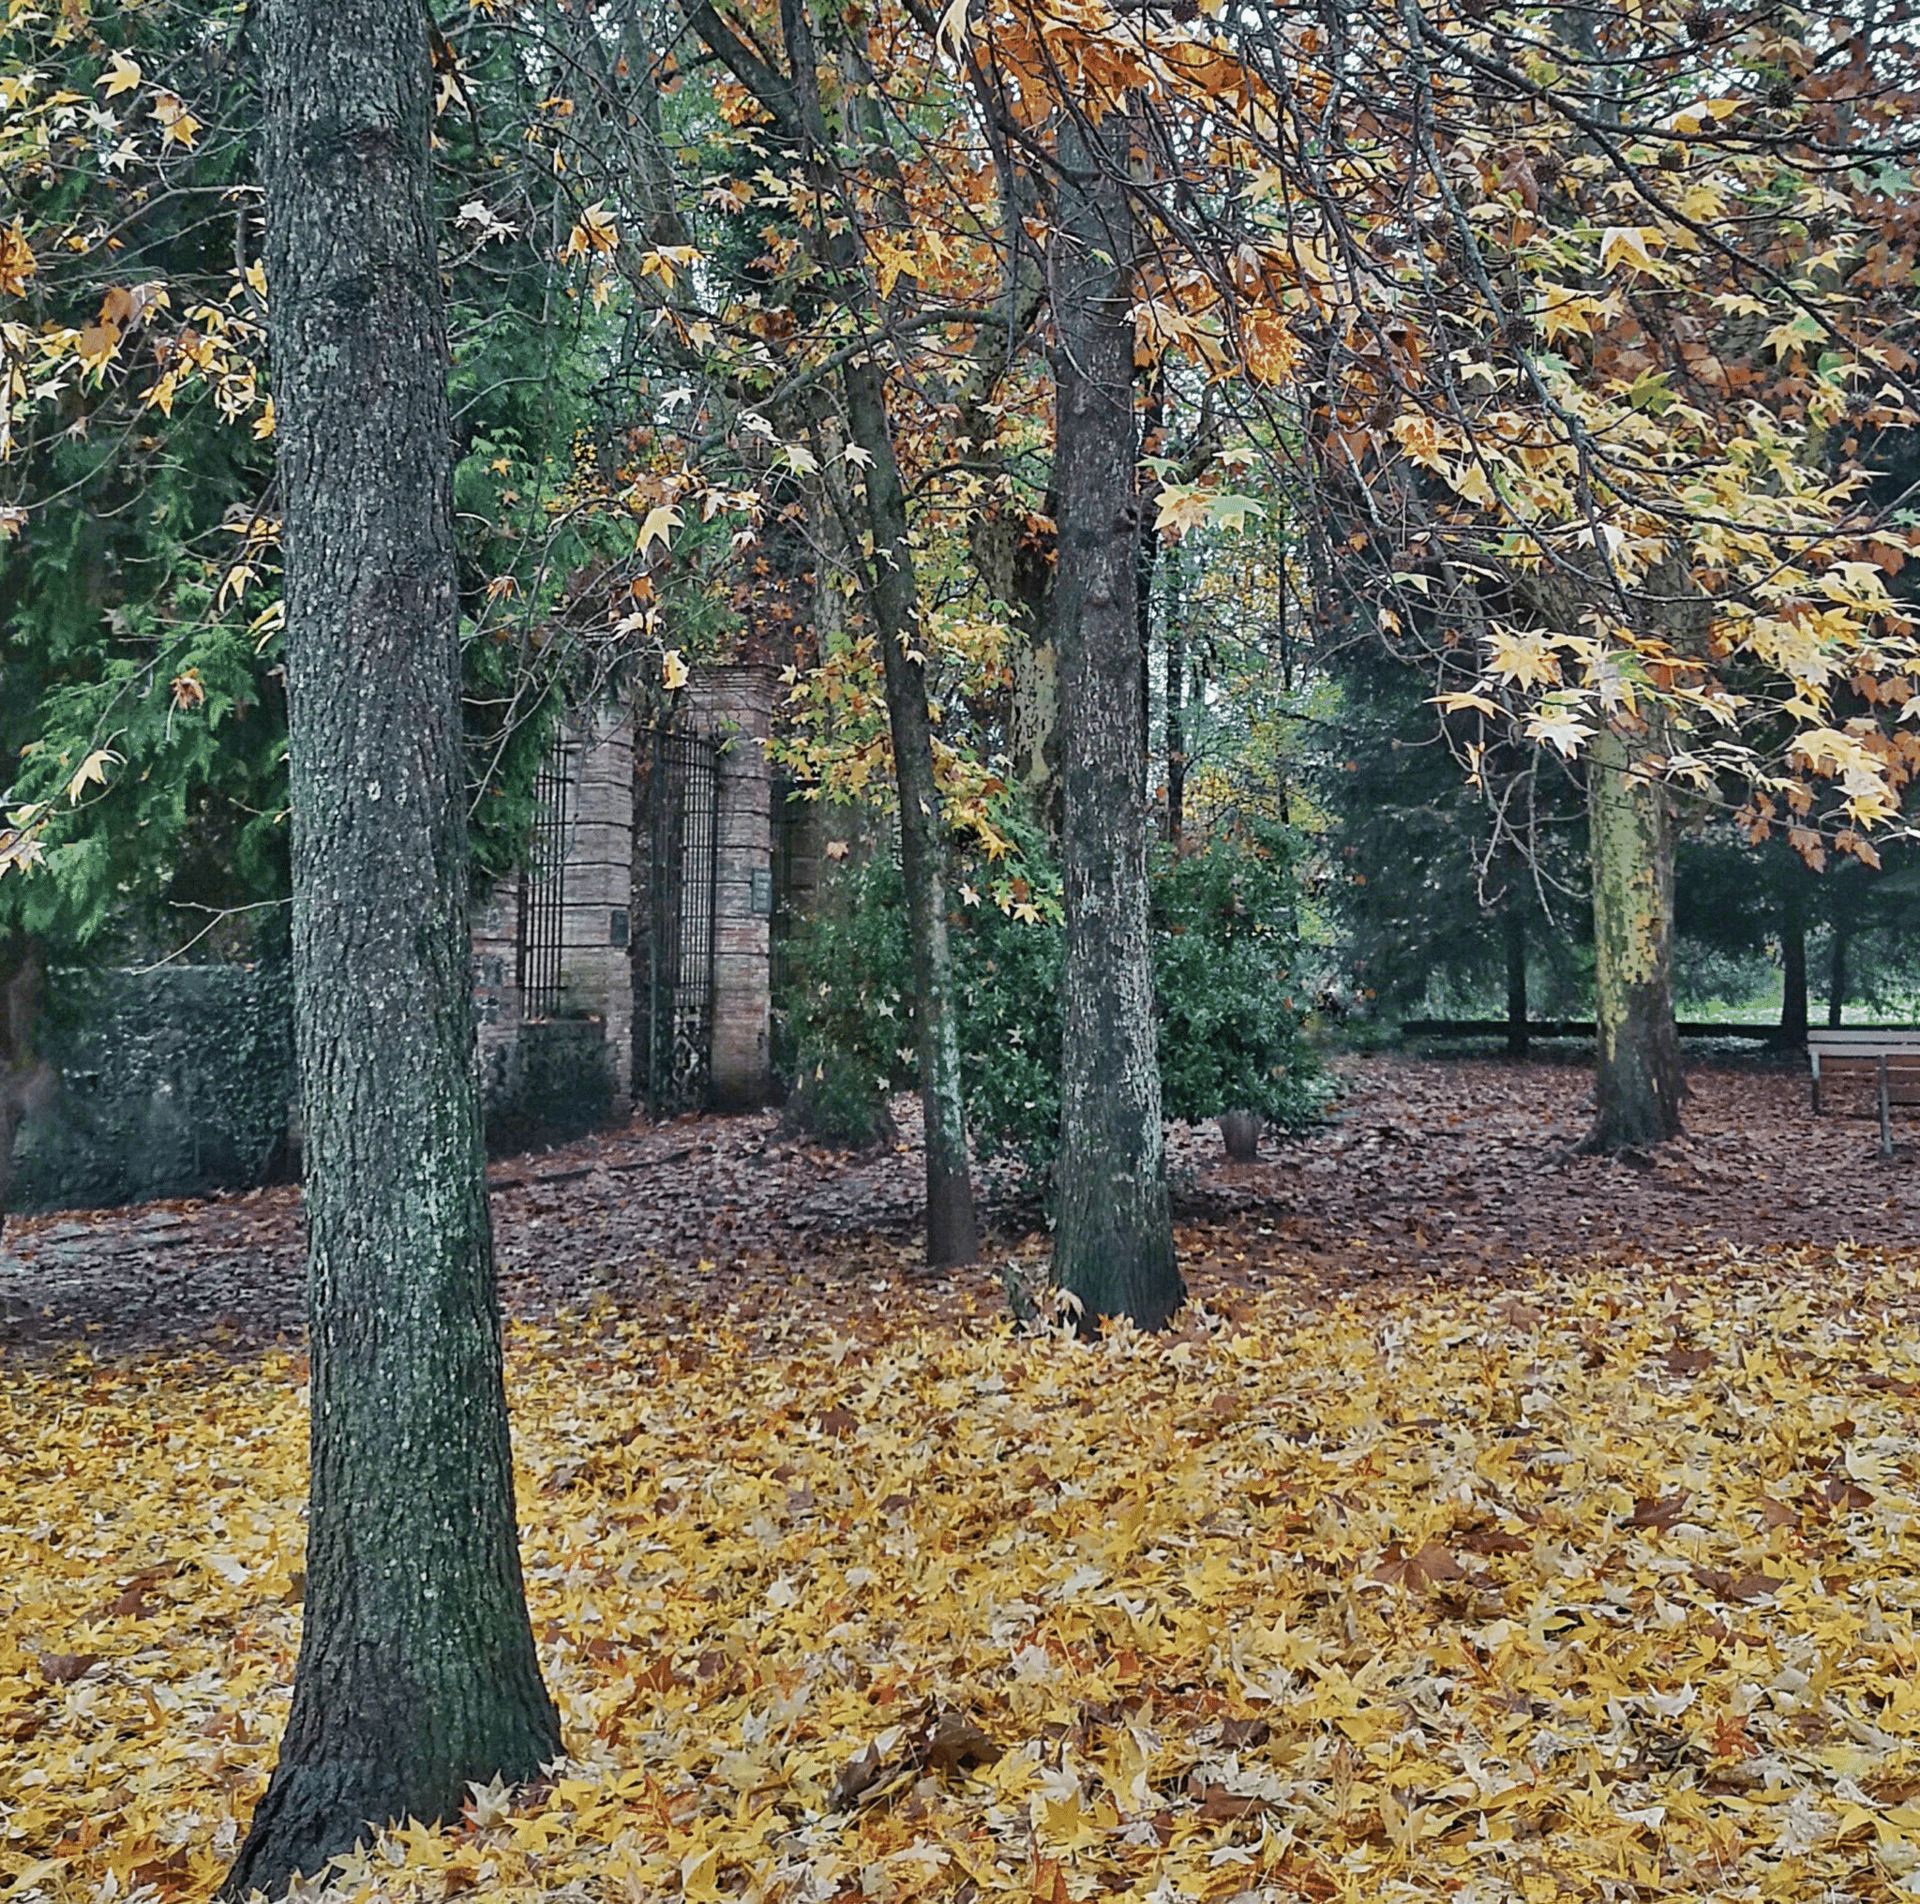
{"x": 734, "y": 705}
{"x": 596, "y": 966}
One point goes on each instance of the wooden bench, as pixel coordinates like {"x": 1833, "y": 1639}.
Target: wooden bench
{"x": 1886, "y": 1056}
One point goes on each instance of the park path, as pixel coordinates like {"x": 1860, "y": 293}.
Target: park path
{"x": 1431, "y": 1168}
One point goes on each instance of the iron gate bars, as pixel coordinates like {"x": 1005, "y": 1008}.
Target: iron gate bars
{"x": 543, "y": 900}
{"x": 677, "y": 827}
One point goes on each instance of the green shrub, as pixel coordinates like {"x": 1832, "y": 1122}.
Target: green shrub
{"x": 841, "y": 1018}
{"x": 1225, "y": 937}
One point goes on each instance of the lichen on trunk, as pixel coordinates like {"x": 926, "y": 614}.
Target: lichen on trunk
{"x": 1638, "y": 1081}
{"x": 417, "y": 1672}
{"x": 1113, "y": 1240}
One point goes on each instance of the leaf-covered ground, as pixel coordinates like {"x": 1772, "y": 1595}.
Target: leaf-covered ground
{"x": 1599, "y": 1584}
{"x": 1460, "y": 1166}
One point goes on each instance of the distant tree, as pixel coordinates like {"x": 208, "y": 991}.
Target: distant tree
{"x": 417, "y": 1671}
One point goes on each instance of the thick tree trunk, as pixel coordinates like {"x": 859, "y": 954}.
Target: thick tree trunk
{"x": 1793, "y": 960}
{"x": 25, "y": 1080}
{"x": 417, "y": 1670}
{"x": 952, "y": 1234}
{"x": 1639, "y": 1082}
{"x": 1113, "y": 1244}
{"x": 1513, "y": 926}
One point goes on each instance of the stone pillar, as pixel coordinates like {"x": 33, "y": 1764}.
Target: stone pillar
{"x": 734, "y": 705}
{"x": 595, "y": 961}
{"x": 496, "y": 986}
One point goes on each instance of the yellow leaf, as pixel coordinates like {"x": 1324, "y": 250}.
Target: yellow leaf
{"x": 92, "y": 772}
{"x": 121, "y": 76}
{"x": 661, "y": 520}
{"x": 1627, "y": 245}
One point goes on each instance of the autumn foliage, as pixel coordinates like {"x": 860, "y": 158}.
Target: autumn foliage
{"x": 1540, "y": 1591}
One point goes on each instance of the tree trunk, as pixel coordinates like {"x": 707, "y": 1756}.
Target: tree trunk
{"x": 1176, "y": 682}
{"x": 952, "y": 1235}
{"x": 1838, "y": 982}
{"x": 1513, "y": 924}
{"x": 892, "y": 596}
{"x": 1639, "y": 1082}
{"x": 1146, "y": 554}
{"x": 25, "y": 1081}
{"x": 1793, "y": 959}
{"x": 1033, "y": 739}
{"x": 1113, "y": 1244}
{"x": 417, "y": 1670}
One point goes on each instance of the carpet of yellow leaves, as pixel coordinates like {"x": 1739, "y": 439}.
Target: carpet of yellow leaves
{"x": 1603, "y": 1590}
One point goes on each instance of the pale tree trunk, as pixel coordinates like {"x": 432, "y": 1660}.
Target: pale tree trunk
{"x": 417, "y": 1671}
{"x": 892, "y": 594}
{"x": 1638, "y": 1083}
{"x": 1113, "y": 1243}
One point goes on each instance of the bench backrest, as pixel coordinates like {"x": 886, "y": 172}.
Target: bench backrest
{"x": 1866, "y": 1041}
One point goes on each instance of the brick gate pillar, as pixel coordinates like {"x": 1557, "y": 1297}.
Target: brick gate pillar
{"x": 734, "y": 705}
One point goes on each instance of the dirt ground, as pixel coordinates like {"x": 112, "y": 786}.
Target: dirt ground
{"x": 1427, "y": 1168}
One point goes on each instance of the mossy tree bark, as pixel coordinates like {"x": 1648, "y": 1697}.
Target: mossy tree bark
{"x": 1113, "y": 1241}
{"x": 417, "y": 1670}
{"x": 1639, "y": 1083}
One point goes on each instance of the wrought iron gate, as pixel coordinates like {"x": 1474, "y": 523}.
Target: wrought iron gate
{"x": 677, "y": 836}
{"x": 543, "y": 899}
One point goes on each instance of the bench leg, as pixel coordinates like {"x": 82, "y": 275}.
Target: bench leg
{"x": 1886, "y": 1129}
{"x": 1816, "y": 1084}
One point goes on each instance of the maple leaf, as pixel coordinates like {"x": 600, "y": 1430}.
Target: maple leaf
{"x": 122, "y": 76}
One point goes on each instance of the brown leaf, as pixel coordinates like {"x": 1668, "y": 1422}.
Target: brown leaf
{"x": 1493, "y": 1540}
{"x": 1238, "y": 1734}
{"x": 1218, "y": 1806}
{"x": 657, "y": 1677}
{"x": 955, "y": 1741}
{"x": 1661, "y": 1511}
{"x": 1688, "y": 1361}
{"x": 838, "y": 1422}
{"x": 62, "y": 1669}
{"x": 1049, "y": 1882}
{"x": 858, "y": 1776}
{"x": 1432, "y": 1562}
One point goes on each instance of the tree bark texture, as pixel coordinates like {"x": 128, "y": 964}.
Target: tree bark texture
{"x": 1639, "y": 1083}
{"x": 1113, "y": 1241}
{"x": 26, "y": 1081}
{"x": 1033, "y": 738}
{"x": 417, "y": 1670}
{"x": 1793, "y": 959}
{"x": 1176, "y": 696}
{"x": 892, "y": 592}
